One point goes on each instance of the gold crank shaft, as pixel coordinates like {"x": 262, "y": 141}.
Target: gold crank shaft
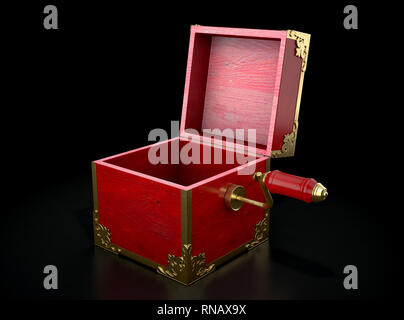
{"x": 249, "y": 201}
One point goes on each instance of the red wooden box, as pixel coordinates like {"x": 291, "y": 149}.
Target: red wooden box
{"x": 185, "y": 219}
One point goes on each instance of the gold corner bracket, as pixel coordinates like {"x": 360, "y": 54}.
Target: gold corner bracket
{"x": 186, "y": 269}
{"x": 302, "y": 51}
{"x": 102, "y": 236}
{"x": 289, "y": 144}
{"x": 261, "y": 232}
{"x": 302, "y": 45}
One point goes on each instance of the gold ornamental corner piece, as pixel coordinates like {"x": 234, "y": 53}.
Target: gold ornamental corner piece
{"x": 302, "y": 45}
{"x": 302, "y": 51}
{"x": 102, "y": 236}
{"x": 186, "y": 268}
{"x": 289, "y": 144}
{"x": 261, "y": 232}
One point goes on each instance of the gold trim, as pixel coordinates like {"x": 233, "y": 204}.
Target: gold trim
{"x": 137, "y": 258}
{"x": 261, "y": 235}
{"x": 305, "y": 39}
{"x": 238, "y": 251}
{"x": 186, "y": 269}
{"x": 186, "y": 217}
{"x": 262, "y": 227}
{"x": 261, "y": 232}
{"x": 302, "y": 51}
{"x": 289, "y": 144}
{"x": 268, "y": 164}
{"x": 94, "y": 180}
{"x": 302, "y": 45}
{"x": 102, "y": 236}
{"x": 230, "y": 255}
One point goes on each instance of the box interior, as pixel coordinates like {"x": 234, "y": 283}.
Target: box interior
{"x": 177, "y": 171}
{"x": 232, "y": 84}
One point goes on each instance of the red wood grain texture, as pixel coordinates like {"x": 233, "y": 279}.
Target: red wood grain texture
{"x": 240, "y": 85}
{"x": 143, "y": 216}
{"x": 288, "y": 94}
{"x": 196, "y": 76}
{"x": 210, "y": 161}
{"x": 213, "y": 161}
{"x": 291, "y": 186}
{"x": 216, "y": 229}
{"x": 138, "y": 161}
{"x": 143, "y": 211}
{"x": 233, "y": 80}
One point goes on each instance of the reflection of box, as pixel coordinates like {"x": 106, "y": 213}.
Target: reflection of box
{"x": 172, "y": 217}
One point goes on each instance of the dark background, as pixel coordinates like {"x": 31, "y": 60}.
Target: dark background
{"x": 113, "y": 72}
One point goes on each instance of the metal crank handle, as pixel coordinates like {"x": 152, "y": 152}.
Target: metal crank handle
{"x": 235, "y": 195}
{"x": 305, "y": 189}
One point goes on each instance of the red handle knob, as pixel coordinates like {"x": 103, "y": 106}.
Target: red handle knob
{"x": 305, "y": 189}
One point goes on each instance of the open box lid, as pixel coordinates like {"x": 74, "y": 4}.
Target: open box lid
{"x": 245, "y": 79}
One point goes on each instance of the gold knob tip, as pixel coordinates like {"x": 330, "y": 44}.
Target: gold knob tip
{"x": 320, "y": 193}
